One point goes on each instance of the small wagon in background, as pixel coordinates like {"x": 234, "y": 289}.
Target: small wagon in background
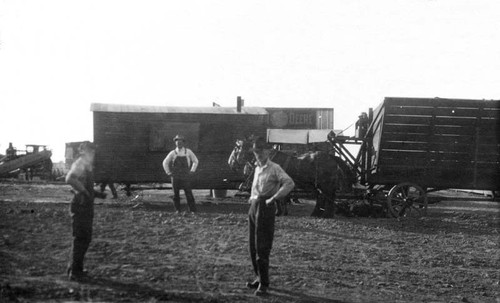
{"x": 413, "y": 146}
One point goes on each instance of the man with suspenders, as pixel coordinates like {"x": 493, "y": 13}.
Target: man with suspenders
{"x": 180, "y": 164}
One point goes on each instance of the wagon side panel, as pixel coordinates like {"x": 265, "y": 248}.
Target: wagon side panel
{"x": 439, "y": 143}
{"x": 132, "y": 146}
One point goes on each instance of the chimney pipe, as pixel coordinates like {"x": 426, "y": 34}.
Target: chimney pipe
{"x": 239, "y": 104}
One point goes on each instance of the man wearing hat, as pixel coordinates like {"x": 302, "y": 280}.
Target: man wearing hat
{"x": 180, "y": 164}
{"x": 362, "y": 125}
{"x": 270, "y": 183}
{"x": 81, "y": 179}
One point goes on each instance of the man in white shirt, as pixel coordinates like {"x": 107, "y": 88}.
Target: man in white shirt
{"x": 180, "y": 164}
{"x": 270, "y": 183}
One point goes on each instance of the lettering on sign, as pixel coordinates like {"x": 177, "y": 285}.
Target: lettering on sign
{"x": 292, "y": 118}
{"x": 300, "y": 119}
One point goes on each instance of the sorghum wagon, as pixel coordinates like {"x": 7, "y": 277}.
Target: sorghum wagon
{"x": 413, "y": 146}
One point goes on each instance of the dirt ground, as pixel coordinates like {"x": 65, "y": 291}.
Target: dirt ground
{"x": 143, "y": 252}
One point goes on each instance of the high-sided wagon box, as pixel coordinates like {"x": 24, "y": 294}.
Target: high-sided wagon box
{"x": 417, "y": 145}
{"x": 437, "y": 143}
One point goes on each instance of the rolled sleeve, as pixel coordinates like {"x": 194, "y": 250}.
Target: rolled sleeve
{"x": 166, "y": 163}
{"x": 194, "y": 160}
{"x": 286, "y": 184}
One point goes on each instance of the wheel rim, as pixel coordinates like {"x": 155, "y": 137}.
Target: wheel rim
{"x": 407, "y": 200}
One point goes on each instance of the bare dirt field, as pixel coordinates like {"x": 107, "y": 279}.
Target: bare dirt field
{"x": 143, "y": 252}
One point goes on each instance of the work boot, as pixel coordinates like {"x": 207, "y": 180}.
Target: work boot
{"x": 261, "y": 291}
{"x": 253, "y": 285}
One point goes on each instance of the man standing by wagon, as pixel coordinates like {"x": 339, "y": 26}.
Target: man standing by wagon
{"x": 180, "y": 164}
{"x": 81, "y": 179}
{"x": 270, "y": 183}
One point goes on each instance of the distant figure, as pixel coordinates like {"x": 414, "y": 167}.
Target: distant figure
{"x": 362, "y": 125}
{"x": 270, "y": 183}
{"x": 81, "y": 179}
{"x": 29, "y": 174}
{"x": 180, "y": 164}
{"x": 10, "y": 152}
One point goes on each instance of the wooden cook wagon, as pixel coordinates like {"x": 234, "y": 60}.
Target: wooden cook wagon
{"x": 133, "y": 140}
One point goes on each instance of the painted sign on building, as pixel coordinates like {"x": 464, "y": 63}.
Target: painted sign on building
{"x": 300, "y": 118}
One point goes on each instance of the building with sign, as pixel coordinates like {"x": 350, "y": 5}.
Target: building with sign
{"x": 300, "y": 118}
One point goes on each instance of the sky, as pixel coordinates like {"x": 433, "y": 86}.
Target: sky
{"x": 58, "y": 57}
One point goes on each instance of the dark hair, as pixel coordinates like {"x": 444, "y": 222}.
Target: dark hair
{"x": 259, "y": 143}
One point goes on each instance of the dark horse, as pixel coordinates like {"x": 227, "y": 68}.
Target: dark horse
{"x": 317, "y": 172}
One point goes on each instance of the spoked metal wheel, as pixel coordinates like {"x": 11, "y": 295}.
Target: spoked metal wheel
{"x": 407, "y": 200}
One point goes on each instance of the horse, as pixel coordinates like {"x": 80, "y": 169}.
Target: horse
{"x": 318, "y": 172}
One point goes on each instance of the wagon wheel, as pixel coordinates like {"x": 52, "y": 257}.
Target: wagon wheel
{"x": 407, "y": 200}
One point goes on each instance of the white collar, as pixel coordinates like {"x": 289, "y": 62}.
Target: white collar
{"x": 265, "y": 165}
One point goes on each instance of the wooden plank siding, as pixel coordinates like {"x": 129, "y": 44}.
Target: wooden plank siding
{"x": 132, "y": 145}
{"x": 438, "y": 143}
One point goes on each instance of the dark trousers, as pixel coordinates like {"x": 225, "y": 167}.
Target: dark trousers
{"x": 261, "y": 219}
{"x": 82, "y": 217}
{"x": 184, "y": 183}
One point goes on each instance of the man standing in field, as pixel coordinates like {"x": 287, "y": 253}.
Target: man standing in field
{"x": 270, "y": 183}
{"x": 180, "y": 164}
{"x": 81, "y": 179}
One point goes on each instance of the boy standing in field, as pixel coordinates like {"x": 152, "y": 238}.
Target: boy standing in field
{"x": 270, "y": 183}
{"x": 81, "y": 179}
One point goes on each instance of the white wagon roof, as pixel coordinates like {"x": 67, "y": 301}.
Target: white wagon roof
{"x": 126, "y": 108}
